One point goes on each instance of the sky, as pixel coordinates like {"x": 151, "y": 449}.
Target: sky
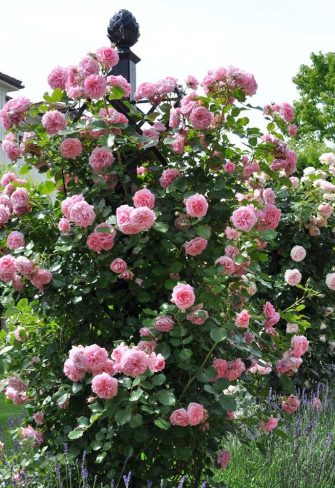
{"x": 269, "y": 38}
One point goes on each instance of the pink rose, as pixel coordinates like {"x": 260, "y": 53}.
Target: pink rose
{"x": 269, "y": 196}
{"x": 17, "y": 283}
{"x": 231, "y": 233}
{"x": 292, "y": 328}
{"x": 95, "y": 357}
{"x": 179, "y": 417}
{"x": 20, "y": 334}
{"x": 299, "y": 346}
{"x": 82, "y": 214}
{"x": 126, "y": 275}
{"x": 325, "y": 209}
{"x": 108, "y": 56}
{"x": 54, "y": 121}
{"x": 292, "y": 130}
{"x": 15, "y": 240}
{"x": 40, "y": 277}
{"x": 196, "y": 205}
{"x": 20, "y": 198}
{"x": 134, "y": 363}
{"x": 164, "y": 323}
{"x": 227, "y": 263}
{"x": 156, "y": 362}
{"x": 244, "y": 218}
{"x": 298, "y": 253}
{"x": 269, "y": 425}
{"x": 168, "y": 176}
{"x": 7, "y": 268}
{"x": 287, "y": 111}
{"x": 100, "y": 158}
{"x": 330, "y": 281}
{"x": 197, "y": 316}
{"x": 57, "y": 78}
{"x": 223, "y": 459}
{"x": 24, "y": 266}
{"x": 196, "y": 413}
{"x": 76, "y": 354}
{"x": 39, "y": 418}
{"x": 293, "y": 277}
{"x": 242, "y": 319}
{"x": 88, "y": 66}
{"x": 4, "y": 214}
{"x": 71, "y": 148}
{"x": 201, "y": 118}
{"x": 30, "y": 433}
{"x": 183, "y": 296}
{"x": 118, "y": 265}
{"x": 144, "y": 198}
{"x": 175, "y": 118}
{"x": 291, "y": 404}
{"x": 95, "y": 86}
{"x": 105, "y": 386}
{"x": 120, "y": 82}
{"x": 73, "y": 373}
{"x": 288, "y": 365}
{"x": 229, "y": 167}
{"x": 191, "y": 82}
{"x": 196, "y": 246}
{"x": 64, "y": 225}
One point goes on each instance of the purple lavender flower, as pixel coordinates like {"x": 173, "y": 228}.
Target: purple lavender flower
{"x": 181, "y": 482}
{"x": 126, "y": 479}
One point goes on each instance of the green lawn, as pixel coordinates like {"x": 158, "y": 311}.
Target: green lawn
{"x": 7, "y": 410}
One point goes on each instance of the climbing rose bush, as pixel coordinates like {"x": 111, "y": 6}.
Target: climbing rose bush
{"x": 141, "y": 284}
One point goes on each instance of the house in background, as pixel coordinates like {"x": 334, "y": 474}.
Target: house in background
{"x": 7, "y": 84}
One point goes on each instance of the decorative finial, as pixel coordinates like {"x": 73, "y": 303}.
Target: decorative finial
{"x": 123, "y": 29}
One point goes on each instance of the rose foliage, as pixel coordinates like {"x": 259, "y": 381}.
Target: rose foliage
{"x": 138, "y": 295}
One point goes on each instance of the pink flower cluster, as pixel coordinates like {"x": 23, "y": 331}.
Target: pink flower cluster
{"x": 291, "y": 359}
{"x": 228, "y": 263}
{"x": 228, "y": 79}
{"x": 76, "y": 210}
{"x": 285, "y": 110}
{"x": 11, "y": 148}
{"x": 132, "y": 220}
{"x": 14, "y": 199}
{"x": 284, "y": 158}
{"x": 231, "y": 370}
{"x": 30, "y": 433}
{"x": 120, "y": 82}
{"x": 10, "y": 266}
{"x": 272, "y": 317}
{"x": 16, "y": 390}
{"x": 194, "y": 415}
{"x": 102, "y": 238}
{"x": 290, "y": 404}
{"x": 156, "y": 92}
{"x": 14, "y": 111}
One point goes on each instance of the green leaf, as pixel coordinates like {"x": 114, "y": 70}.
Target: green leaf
{"x": 161, "y": 227}
{"x": 203, "y": 231}
{"x": 136, "y": 395}
{"x": 77, "y": 387}
{"x": 268, "y": 235}
{"x": 116, "y": 93}
{"x": 162, "y": 424}
{"x": 123, "y": 416}
{"x": 75, "y": 434}
{"x": 185, "y": 354}
{"x": 165, "y": 397}
{"x": 47, "y": 187}
{"x": 228, "y": 403}
{"x": 218, "y": 335}
{"x": 158, "y": 379}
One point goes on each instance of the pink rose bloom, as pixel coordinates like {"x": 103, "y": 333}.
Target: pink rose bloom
{"x": 134, "y": 363}
{"x": 196, "y": 413}
{"x": 223, "y": 459}
{"x": 54, "y": 121}
{"x": 192, "y": 82}
{"x": 95, "y": 357}
{"x": 105, "y": 386}
{"x": 15, "y": 240}
{"x": 164, "y": 323}
{"x": 249, "y": 337}
{"x": 17, "y": 397}
{"x": 144, "y": 198}
{"x": 325, "y": 209}
{"x": 76, "y": 355}
{"x": 95, "y": 86}
{"x": 244, "y": 218}
{"x": 168, "y": 176}
{"x": 201, "y": 118}
{"x": 30, "y": 433}
{"x": 17, "y": 105}
{"x": 231, "y": 233}
{"x": 293, "y": 277}
{"x": 57, "y": 78}
{"x": 10, "y": 147}
{"x": 196, "y": 246}
{"x": 227, "y": 263}
{"x": 73, "y": 373}
{"x": 17, "y": 283}
{"x": 292, "y": 130}
{"x": 7, "y": 268}
{"x": 327, "y": 158}
{"x": 242, "y": 319}
{"x": 268, "y": 218}
{"x": 183, "y": 296}
{"x": 288, "y": 365}
{"x": 64, "y": 225}
{"x": 24, "y": 266}
{"x": 292, "y": 328}
{"x": 100, "y": 158}
{"x": 197, "y": 316}
{"x": 71, "y": 148}
{"x": 156, "y": 362}
{"x": 82, "y": 214}
{"x": 5, "y": 120}
{"x": 20, "y": 198}
{"x": 298, "y": 253}
{"x": 88, "y": 66}
{"x": 20, "y": 334}
{"x": 102, "y": 239}
{"x": 231, "y": 370}
{"x": 330, "y": 281}
{"x": 118, "y": 265}
{"x": 120, "y": 82}
{"x": 294, "y": 181}
{"x": 269, "y": 196}
{"x": 299, "y": 346}
{"x": 147, "y": 346}
{"x": 287, "y": 111}
{"x": 175, "y": 118}
{"x": 179, "y": 417}
{"x": 39, "y": 418}
{"x": 291, "y": 404}
{"x": 7, "y": 178}
{"x": 4, "y": 214}
{"x": 178, "y": 144}
{"x": 269, "y": 425}
{"x": 40, "y": 278}
{"x": 69, "y": 202}
{"x": 126, "y": 275}
{"x": 229, "y": 167}
{"x": 145, "y": 332}
{"x": 108, "y": 56}
{"x": 142, "y": 218}
{"x": 196, "y": 205}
